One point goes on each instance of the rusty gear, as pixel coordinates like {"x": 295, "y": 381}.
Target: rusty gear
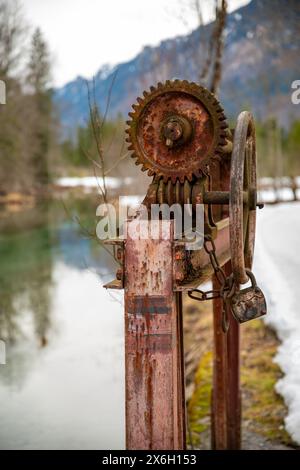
{"x": 176, "y": 131}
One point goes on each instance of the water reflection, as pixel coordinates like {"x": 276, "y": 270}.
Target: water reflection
{"x": 25, "y": 275}
{"x": 62, "y": 386}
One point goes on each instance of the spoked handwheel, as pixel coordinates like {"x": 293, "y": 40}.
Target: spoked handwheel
{"x": 242, "y": 200}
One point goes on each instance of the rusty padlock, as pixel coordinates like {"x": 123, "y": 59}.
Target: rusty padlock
{"x": 248, "y": 303}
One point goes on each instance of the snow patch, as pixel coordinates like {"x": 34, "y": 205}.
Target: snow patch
{"x": 283, "y": 316}
{"x": 93, "y": 182}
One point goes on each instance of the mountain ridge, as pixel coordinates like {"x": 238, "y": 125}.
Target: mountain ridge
{"x": 262, "y": 50}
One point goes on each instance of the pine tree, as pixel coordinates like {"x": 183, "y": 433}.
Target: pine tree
{"x": 38, "y": 81}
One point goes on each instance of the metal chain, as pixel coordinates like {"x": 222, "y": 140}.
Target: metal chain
{"x": 210, "y": 248}
{"x": 211, "y": 251}
{"x": 227, "y": 286}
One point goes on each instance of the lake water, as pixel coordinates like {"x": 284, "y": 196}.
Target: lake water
{"x": 62, "y": 386}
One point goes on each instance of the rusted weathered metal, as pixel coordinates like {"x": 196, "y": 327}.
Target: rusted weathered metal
{"x": 177, "y": 130}
{"x": 248, "y": 303}
{"x": 115, "y": 284}
{"x": 219, "y": 390}
{"x": 192, "y": 268}
{"x": 200, "y": 295}
{"x": 198, "y": 109}
{"x": 233, "y": 399}
{"x": 178, "y": 133}
{"x": 118, "y": 246}
{"x": 221, "y": 197}
{"x": 155, "y": 410}
{"x": 226, "y": 396}
{"x": 243, "y": 178}
{"x": 194, "y": 192}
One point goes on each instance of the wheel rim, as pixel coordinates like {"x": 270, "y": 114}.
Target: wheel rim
{"x": 243, "y": 215}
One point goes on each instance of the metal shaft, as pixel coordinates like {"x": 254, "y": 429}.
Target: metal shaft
{"x": 220, "y": 197}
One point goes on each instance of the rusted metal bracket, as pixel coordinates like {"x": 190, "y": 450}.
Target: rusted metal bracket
{"x": 119, "y": 245}
{"x": 192, "y": 268}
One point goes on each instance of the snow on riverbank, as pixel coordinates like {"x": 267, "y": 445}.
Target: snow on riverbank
{"x": 277, "y": 268}
{"x": 93, "y": 182}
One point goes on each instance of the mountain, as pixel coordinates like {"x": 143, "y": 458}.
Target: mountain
{"x": 261, "y": 60}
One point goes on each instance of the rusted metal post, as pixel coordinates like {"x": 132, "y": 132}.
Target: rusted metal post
{"x": 155, "y": 400}
{"x": 220, "y": 380}
{"x": 233, "y": 381}
{"x": 226, "y": 397}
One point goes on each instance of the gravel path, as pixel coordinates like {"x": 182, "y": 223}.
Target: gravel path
{"x": 250, "y": 441}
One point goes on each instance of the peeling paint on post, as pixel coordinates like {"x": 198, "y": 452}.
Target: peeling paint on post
{"x": 155, "y": 403}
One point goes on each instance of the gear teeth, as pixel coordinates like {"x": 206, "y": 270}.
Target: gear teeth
{"x": 214, "y": 109}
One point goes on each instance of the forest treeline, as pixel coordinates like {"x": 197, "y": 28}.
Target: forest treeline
{"x": 32, "y": 149}
{"x": 27, "y": 118}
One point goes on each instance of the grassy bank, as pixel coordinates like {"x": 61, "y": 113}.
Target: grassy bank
{"x": 263, "y": 410}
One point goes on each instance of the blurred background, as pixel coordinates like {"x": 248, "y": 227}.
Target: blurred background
{"x": 71, "y": 70}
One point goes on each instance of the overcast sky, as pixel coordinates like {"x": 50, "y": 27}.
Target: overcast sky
{"x": 85, "y": 34}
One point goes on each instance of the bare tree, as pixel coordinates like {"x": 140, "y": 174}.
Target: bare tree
{"x": 217, "y": 45}
{"x": 12, "y": 32}
{"x": 210, "y": 49}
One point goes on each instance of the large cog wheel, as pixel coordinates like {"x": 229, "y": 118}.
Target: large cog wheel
{"x": 176, "y": 131}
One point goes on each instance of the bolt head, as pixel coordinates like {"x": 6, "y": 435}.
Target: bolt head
{"x": 176, "y": 130}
